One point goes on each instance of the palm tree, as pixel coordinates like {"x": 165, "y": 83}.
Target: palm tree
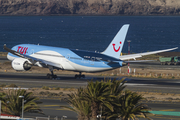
{"x": 130, "y": 107}
{"x": 81, "y": 107}
{"x": 14, "y": 106}
{"x": 98, "y": 94}
{"x": 116, "y": 89}
{"x": 109, "y": 97}
{"x": 2, "y": 95}
{"x": 3, "y": 100}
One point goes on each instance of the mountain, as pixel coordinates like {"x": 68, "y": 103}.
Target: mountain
{"x": 89, "y": 7}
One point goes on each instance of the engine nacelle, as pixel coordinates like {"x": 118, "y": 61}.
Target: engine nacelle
{"x": 21, "y": 64}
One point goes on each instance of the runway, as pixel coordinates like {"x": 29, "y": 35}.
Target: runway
{"x": 39, "y": 80}
{"x": 51, "y": 107}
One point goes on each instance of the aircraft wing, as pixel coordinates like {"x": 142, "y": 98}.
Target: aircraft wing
{"x": 12, "y": 51}
{"x": 30, "y": 58}
{"x": 138, "y": 55}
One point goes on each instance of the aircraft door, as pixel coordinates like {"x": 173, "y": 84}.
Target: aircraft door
{"x": 92, "y": 60}
{"x": 32, "y": 51}
{"x": 67, "y": 57}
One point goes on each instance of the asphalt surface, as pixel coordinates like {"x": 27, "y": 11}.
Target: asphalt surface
{"x": 67, "y": 81}
{"x": 51, "y": 107}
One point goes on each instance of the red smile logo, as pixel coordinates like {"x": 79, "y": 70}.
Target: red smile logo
{"x": 116, "y": 50}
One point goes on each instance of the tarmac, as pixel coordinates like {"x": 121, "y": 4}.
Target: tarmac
{"x": 166, "y": 110}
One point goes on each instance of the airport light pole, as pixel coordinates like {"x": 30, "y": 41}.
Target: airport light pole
{"x": 128, "y": 54}
{"x": 22, "y": 104}
{"x": 129, "y": 46}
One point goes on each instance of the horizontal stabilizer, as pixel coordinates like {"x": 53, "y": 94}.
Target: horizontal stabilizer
{"x": 137, "y": 61}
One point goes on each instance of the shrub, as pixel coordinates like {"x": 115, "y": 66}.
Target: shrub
{"x": 60, "y": 93}
{"x": 3, "y": 85}
{"x": 42, "y": 93}
{"x": 45, "y": 87}
{"x": 13, "y": 85}
{"x": 57, "y": 88}
{"x": 52, "y": 94}
{"x": 47, "y": 93}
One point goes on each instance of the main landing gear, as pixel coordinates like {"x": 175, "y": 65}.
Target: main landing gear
{"x": 51, "y": 76}
{"x": 79, "y": 76}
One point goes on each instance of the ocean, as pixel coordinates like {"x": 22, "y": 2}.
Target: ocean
{"x": 92, "y": 33}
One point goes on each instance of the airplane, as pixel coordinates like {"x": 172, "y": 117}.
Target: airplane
{"x": 24, "y": 56}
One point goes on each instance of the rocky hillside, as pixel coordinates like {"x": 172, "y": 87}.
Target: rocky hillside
{"x": 90, "y": 7}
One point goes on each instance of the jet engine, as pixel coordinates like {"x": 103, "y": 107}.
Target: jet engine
{"x": 21, "y": 64}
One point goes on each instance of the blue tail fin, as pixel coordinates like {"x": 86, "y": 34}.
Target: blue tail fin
{"x": 115, "y": 47}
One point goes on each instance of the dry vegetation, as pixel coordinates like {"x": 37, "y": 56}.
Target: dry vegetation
{"x": 3, "y": 53}
{"x": 60, "y": 93}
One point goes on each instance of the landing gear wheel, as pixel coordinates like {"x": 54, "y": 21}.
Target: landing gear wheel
{"x": 49, "y": 76}
{"x": 54, "y": 76}
{"x": 79, "y": 76}
{"x": 76, "y": 76}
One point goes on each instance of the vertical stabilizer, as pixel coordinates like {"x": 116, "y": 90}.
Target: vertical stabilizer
{"x": 115, "y": 47}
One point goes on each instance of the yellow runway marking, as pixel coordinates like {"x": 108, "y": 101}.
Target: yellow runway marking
{"x": 50, "y": 105}
{"x": 56, "y": 109}
{"x": 169, "y": 110}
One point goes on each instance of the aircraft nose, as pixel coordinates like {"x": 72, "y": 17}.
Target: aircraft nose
{"x": 124, "y": 63}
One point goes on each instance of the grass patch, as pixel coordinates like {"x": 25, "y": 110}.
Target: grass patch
{"x": 160, "y": 77}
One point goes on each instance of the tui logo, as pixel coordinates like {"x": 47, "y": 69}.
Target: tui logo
{"x": 116, "y": 50}
{"x": 22, "y": 50}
